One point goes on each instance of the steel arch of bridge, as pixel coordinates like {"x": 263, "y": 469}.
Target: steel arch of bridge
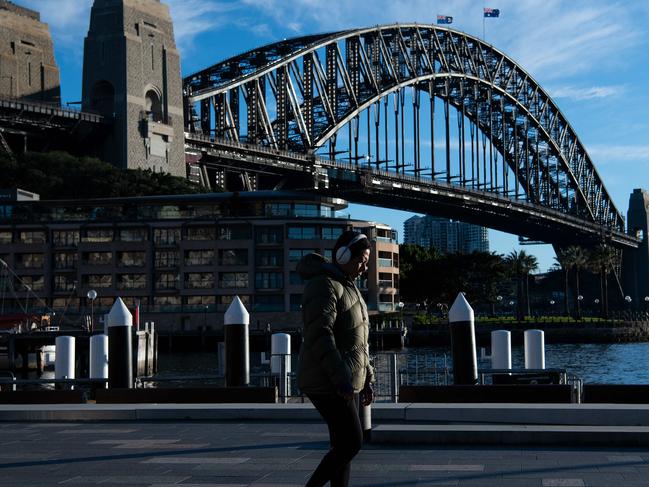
{"x": 322, "y": 83}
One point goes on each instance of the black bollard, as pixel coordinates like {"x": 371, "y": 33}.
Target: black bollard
{"x": 237, "y": 348}
{"x": 120, "y": 346}
{"x": 460, "y": 317}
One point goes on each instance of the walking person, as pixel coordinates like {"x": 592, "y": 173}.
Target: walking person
{"x": 335, "y": 371}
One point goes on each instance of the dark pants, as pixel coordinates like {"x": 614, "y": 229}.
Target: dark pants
{"x": 345, "y": 436}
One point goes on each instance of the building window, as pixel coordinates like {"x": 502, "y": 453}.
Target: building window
{"x": 131, "y": 281}
{"x": 166, "y": 258}
{"x": 98, "y": 280}
{"x": 328, "y": 255}
{"x": 63, "y": 283}
{"x": 201, "y": 233}
{"x": 5, "y": 237}
{"x": 295, "y": 255}
{"x": 224, "y": 302}
{"x": 134, "y": 235}
{"x": 234, "y": 232}
{"x": 233, "y": 280}
{"x": 277, "y": 209}
{"x": 269, "y": 302}
{"x": 168, "y": 303}
{"x": 385, "y": 279}
{"x": 131, "y": 259}
{"x": 306, "y": 209}
{"x": 230, "y": 257}
{"x": 385, "y": 259}
{"x": 65, "y": 260}
{"x": 97, "y": 258}
{"x": 269, "y": 258}
{"x": 35, "y": 283}
{"x": 269, "y": 280}
{"x": 199, "y": 280}
{"x": 98, "y": 235}
{"x": 166, "y": 236}
{"x": 307, "y": 232}
{"x": 269, "y": 235}
{"x": 65, "y": 238}
{"x": 331, "y": 233}
{"x": 296, "y": 302}
{"x": 199, "y": 301}
{"x": 166, "y": 281}
{"x": 36, "y": 237}
{"x": 29, "y": 261}
{"x": 199, "y": 257}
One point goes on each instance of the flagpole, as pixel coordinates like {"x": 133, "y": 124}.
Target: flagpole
{"x": 484, "y": 37}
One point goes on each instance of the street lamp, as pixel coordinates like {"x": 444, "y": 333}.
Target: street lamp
{"x": 92, "y": 295}
{"x": 499, "y": 299}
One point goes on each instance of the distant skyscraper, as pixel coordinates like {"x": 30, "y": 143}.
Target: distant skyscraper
{"x": 445, "y": 235}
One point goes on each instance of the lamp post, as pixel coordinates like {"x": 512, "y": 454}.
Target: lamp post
{"x": 92, "y": 295}
{"x": 580, "y": 298}
{"x": 646, "y": 303}
{"x": 499, "y": 299}
{"x": 628, "y": 303}
{"x": 552, "y": 306}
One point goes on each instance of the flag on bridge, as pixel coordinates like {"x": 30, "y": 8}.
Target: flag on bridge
{"x": 491, "y": 12}
{"x": 444, "y": 19}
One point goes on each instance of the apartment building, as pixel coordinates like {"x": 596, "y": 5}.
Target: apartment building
{"x": 182, "y": 258}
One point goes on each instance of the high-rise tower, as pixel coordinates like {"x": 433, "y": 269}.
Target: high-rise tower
{"x": 27, "y": 66}
{"x": 635, "y": 264}
{"x": 131, "y": 72}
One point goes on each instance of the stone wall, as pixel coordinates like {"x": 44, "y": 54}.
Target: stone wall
{"x": 27, "y": 65}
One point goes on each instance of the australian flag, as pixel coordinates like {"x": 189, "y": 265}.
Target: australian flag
{"x": 491, "y": 12}
{"x": 444, "y": 19}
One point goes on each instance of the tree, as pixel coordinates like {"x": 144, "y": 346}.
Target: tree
{"x": 521, "y": 264}
{"x": 601, "y": 260}
{"x": 59, "y": 175}
{"x": 573, "y": 258}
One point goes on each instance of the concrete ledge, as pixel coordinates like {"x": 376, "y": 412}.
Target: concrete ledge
{"x": 511, "y": 435}
{"x": 431, "y": 414}
{"x": 187, "y": 395}
{"x": 502, "y": 393}
{"x": 41, "y": 397}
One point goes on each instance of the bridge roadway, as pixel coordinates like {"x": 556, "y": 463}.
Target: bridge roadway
{"x": 366, "y": 185}
{"x": 222, "y": 446}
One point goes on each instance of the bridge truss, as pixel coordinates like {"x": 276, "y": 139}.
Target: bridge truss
{"x": 410, "y": 101}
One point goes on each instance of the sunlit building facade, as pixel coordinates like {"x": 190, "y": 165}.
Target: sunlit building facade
{"x": 182, "y": 258}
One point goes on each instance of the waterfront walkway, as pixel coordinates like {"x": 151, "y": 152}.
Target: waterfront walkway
{"x": 269, "y": 452}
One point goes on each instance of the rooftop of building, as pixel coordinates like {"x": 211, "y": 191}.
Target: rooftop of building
{"x": 18, "y": 10}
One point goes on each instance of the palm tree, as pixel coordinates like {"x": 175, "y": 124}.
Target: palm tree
{"x": 521, "y": 264}
{"x": 601, "y": 260}
{"x": 573, "y": 257}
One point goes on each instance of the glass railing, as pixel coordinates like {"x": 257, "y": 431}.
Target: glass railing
{"x": 385, "y": 262}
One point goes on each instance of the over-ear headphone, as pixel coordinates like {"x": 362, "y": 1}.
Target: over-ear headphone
{"x": 344, "y": 253}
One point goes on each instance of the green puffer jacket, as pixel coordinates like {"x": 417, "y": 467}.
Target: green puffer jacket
{"x": 336, "y": 327}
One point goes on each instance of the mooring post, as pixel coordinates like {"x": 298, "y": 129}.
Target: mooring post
{"x": 237, "y": 347}
{"x": 119, "y": 322}
{"x": 461, "y": 321}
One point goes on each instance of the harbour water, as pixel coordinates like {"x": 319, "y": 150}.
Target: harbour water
{"x": 611, "y": 363}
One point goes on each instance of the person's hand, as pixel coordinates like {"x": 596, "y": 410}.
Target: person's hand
{"x": 345, "y": 390}
{"x": 367, "y": 395}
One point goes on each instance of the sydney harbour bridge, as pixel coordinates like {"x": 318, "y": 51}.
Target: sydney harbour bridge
{"x": 412, "y": 117}
{"x": 407, "y": 116}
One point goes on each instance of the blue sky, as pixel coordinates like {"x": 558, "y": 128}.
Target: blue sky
{"x": 591, "y": 56}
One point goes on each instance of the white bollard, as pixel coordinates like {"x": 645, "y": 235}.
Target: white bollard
{"x": 65, "y": 358}
{"x": 534, "y": 349}
{"x": 501, "y": 349}
{"x": 99, "y": 357}
{"x": 280, "y": 344}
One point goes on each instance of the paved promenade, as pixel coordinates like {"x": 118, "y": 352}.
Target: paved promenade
{"x": 265, "y": 453}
